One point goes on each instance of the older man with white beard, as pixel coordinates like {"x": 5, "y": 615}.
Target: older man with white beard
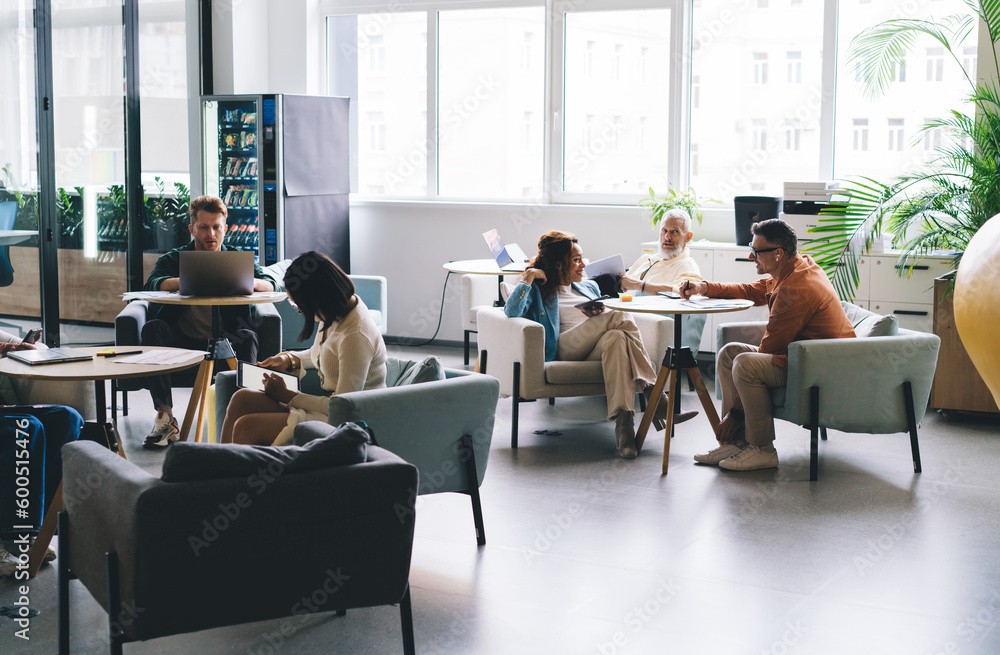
{"x": 667, "y": 269}
{"x": 671, "y": 266}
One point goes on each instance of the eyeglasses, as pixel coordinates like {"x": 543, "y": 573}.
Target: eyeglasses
{"x": 754, "y": 253}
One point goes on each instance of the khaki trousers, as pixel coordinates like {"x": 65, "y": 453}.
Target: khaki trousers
{"x": 749, "y": 374}
{"x": 614, "y": 339}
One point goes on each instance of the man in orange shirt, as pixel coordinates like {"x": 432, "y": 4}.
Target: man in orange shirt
{"x": 803, "y": 305}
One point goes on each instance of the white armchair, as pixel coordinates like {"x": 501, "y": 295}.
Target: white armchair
{"x": 478, "y": 292}
{"x": 513, "y": 349}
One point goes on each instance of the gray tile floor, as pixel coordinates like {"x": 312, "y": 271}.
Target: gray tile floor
{"x": 591, "y": 555}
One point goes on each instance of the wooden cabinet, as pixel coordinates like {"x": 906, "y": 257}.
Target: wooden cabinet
{"x": 957, "y": 383}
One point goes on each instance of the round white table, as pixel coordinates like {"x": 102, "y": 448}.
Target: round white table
{"x": 675, "y": 358}
{"x": 11, "y": 237}
{"x": 485, "y": 267}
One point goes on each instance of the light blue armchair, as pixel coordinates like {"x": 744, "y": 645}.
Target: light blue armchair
{"x": 443, "y": 427}
{"x": 372, "y": 289}
{"x": 878, "y": 383}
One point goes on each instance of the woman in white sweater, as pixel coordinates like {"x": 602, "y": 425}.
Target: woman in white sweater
{"x": 348, "y": 353}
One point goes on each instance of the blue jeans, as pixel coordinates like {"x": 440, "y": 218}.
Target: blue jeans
{"x": 45, "y": 429}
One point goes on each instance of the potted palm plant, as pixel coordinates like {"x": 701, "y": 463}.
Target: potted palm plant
{"x": 942, "y": 204}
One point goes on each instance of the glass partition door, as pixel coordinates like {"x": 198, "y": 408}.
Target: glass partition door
{"x": 88, "y": 79}
{"x": 20, "y": 304}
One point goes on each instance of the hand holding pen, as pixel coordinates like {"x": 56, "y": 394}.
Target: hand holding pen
{"x": 689, "y": 288}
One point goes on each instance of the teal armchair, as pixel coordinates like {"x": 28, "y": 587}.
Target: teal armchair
{"x": 877, "y": 383}
{"x": 443, "y": 427}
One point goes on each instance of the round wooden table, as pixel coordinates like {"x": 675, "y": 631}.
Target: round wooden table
{"x": 486, "y": 267}
{"x": 97, "y": 369}
{"x": 676, "y": 358}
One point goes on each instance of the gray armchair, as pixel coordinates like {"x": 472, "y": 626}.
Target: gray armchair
{"x": 877, "y": 383}
{"x": 128, "y": 327}
{"x": 188, "y": 552}
{"x": 443, "y": 427}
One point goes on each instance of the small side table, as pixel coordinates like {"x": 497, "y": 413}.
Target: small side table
{"x": 485, "y": 267}
{"x": 675, "y": 358}
{"x": 219, "y": 347}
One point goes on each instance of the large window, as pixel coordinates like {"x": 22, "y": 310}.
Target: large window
{"x": 929, "y": 85}
{"x": 595, "y": 100}
{"x": 489, "y": 85}
{"x": 623, "y": 121}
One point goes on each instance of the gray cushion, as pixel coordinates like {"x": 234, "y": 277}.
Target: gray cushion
{"x": 869, "y": 324}
{"x": 400, "y": 372}
{"x": 326, "y": 446}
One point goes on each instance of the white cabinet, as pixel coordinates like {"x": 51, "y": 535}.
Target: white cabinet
{"x": 881, "y": 289}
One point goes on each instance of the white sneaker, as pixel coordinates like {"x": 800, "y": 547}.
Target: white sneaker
{"x": 751, "y": 458}
{"x": 726, "y": 450}
{"x": 8, "y": 563}
{"x": 163, "y": 433}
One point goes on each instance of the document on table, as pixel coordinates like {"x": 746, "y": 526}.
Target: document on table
{"x": 716, "y": 303}
{"x": 129, "y": 296}
{"x": 157, "y": 357}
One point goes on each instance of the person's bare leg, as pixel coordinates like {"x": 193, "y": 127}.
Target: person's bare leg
{"x": 259, "y": 429}
{"x": 247, "y": 401}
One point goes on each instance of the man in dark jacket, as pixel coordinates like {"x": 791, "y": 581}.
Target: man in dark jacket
{"x": 190, "y": 326}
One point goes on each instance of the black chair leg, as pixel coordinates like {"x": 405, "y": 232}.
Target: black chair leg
{"x": 642, "y": 401}
{"x": 64, "y": 578}
{"x": 515, "y": 401}
{"x": 115, "y": 630}
{"x": 482, "y": 361}
{"x": 473, "y": 490}
{"x": 124, "y": 402}
{"x": 114, "y": 401}
{"x": 467, "y": 333}
{"x": 822, "y": 434}
{"x": 552, "y": 401}
{"x": 911, "y": 419}
{"x": 813, "y": 434}
{"x": 406, "y": 622}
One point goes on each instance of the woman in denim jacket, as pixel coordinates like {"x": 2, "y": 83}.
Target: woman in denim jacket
{"x": 550, "y": 292}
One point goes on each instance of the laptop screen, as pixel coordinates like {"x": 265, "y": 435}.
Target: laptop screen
{"x": 216, "y": 273}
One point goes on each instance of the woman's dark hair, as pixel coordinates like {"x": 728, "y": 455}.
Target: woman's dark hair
{"x": 318, "y": 286}
{"x": 555, "y": 253}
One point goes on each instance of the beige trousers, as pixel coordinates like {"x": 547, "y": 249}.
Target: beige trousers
{"x": 749, "y": 374}
{"x": 613, "y": 338}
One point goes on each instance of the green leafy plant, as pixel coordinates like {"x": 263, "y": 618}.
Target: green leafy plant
{"x": 943, "y": 203}
{"x": 656, "y": 206}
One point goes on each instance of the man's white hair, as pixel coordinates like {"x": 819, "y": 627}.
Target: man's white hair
{"x": 677, "y": 212}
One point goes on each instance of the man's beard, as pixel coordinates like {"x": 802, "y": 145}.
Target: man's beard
{"x": 670, "y": 254}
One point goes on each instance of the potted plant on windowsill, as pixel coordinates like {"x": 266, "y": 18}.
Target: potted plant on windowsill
{"x": 940, "y": 205}
{"x": 656, "y": 206}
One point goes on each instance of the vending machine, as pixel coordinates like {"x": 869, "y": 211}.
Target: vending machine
{"x": 279, "y": 162}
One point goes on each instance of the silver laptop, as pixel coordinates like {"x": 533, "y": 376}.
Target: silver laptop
{"x": 509, "y": 257}
{"x": 48, "y": 356}
{"x": 216, "y": 273}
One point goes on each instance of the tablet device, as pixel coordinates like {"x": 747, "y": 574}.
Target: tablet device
{"x": 249, "y": 376}
{"x": 589, "y": 303}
